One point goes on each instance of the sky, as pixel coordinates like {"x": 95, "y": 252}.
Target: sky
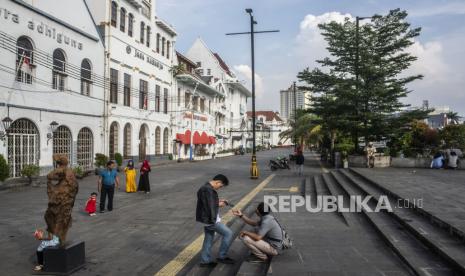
{"x": 280, "y": 56}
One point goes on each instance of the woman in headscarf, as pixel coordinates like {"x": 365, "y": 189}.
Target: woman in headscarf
{"x": 144, "y": 183}
{"x": 130, "y": 177}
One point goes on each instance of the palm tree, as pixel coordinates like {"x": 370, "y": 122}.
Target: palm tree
{"x": 453, "y": 117}
{"x": 302, "y": 129}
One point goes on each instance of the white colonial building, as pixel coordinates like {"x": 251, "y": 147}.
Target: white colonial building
{"x": 269, "y": 126}
{"x": 51, "y": 84}
{"x": 195, "y": 112}
{"x": 230, "y": 110}
{"x": 139, "y": 55}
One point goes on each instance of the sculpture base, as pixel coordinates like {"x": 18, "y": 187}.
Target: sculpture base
{"x": 64, "y": 260}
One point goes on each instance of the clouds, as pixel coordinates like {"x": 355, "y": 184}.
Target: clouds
{"x": 310, "y": 44}
{"x": 443, "y": 74}
{"x": 246, "y": 71}
{"x": 443, "y": 8}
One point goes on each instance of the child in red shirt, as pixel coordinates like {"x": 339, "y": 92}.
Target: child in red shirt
{"x": 91, "y": 204}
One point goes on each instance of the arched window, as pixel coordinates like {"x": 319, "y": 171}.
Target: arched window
{"x": 168, "y": 44}
{"x": 142, "y": 32}
{"x": 59, "y": 70}
{"x": 158, "y": 43}
{"x": 165, "y": 141}
{"x": 114, "y": 132}
{"x": 85, "y": 149}
{"x": 157, "y": 141}
{"x": 127, "y": 141}
{"x": 130, "y": 24}
{"x": 23, "y": 146}
{"x": 148, "y": 36}
{"x": 24, "y": 59}
{"x": 62, "y": 141}
{"x": 114, "y": 13}
{"x": 122, "y": 20}
{"x": 86, "y": 77}
{"x": 163, "y": 46}
{"x": 143, "y": 142}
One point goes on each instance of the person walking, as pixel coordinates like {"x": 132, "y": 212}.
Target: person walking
{"x": 299, "y": 162}
{"x": 144, "y": 183}
{"x": 130, "y": 172}
{"x": 207, "y": 213}
{"x": 107, "y": 184}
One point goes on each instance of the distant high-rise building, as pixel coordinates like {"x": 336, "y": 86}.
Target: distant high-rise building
{"x": 287, "y": 108}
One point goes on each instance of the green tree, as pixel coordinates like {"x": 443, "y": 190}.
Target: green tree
{"x": 4, "y": 169}
{"x": 302, "y": 128}
{"x": 454, "y": 136}
{"x": 364, "y": 105}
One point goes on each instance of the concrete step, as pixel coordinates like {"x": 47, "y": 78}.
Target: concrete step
{"x": 221, "y": 269}
{"x": 411, "y": 251}
{"x": 424, "y": 212}
{"x": 437, "y": 239}
{"x": 349, "y": 218}
{"x": 310, "y": 190}
{"x": 320, "y": 187}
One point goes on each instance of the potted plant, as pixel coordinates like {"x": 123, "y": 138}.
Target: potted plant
{"x": 79, "y": 172}
{"x": 100, "y": 162}
{"x": 4, "y": 169}
{"x": 31, "y": 172}
{"x": 119, "y": 160}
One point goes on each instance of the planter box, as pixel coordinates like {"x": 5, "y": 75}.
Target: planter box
{"x": 360, "y": 161}
{"x": 422, "y": 162}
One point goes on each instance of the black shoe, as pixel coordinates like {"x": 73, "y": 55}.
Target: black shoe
{"x": 255, "y": 259}
{"x": 226, "y": 260}
{"x": 102, "y": 211}
{"x": 210, "y": 264}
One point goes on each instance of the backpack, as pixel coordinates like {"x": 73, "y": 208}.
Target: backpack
{"x": 287, "y": 240}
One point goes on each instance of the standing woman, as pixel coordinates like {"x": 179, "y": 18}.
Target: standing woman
{"x": 130, "y": 172}
{"x": 144, "y": 183}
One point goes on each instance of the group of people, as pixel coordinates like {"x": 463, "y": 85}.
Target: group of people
{"x": 441, "y": 162}
{"x": 266, "y": 241}
{"x": 108, "y": 182}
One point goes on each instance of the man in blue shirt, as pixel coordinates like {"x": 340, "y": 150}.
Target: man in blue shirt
{"x": 107, "y": 183}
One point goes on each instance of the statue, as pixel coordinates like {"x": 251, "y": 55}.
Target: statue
{"x": 62, "y": 189}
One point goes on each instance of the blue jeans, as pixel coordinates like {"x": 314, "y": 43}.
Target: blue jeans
{"x": 223, "y": 230}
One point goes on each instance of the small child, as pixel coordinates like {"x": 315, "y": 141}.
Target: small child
{"x": 51, "y": 240}
{"x": 91, "y": 204}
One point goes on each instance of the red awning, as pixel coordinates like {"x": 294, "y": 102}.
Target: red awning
{"x": 204, "y": 139}
{"x": 180, "y": 137}
{"x": 197, "y": 139}
{"x": 187, "y": 138}
{"x": 212, "y": 140}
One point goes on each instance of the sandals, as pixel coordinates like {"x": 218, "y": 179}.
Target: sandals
{"x": 38, "y": 268}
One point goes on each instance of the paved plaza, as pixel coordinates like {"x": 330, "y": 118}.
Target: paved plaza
{"x": 144, "y": 233}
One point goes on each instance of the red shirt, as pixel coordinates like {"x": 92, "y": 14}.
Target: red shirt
{"x": 91, "y": 206}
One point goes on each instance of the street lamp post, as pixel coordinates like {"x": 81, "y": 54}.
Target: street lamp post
{"x": 254, "y": 167}
{"x": 295, "y": 118}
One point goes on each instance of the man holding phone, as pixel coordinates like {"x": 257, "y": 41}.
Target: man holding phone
{"x": 207, "y": 212}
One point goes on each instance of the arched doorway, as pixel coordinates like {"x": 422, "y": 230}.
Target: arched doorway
{"x": 114, "y": 132}
{"x": 127, "y": 141}
{"x": 165, "y": 141}
{"x": 62, "y": 141}
{"x": 23, "y": 146}
{"x": 157, "y": 141}
{"x": 143, "y": 142}
{"x": 85, "y": 148}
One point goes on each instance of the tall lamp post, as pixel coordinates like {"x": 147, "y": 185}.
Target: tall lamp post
{"x": 295, "y": 118}
{"x": 254, "y": 167}
{"x": 357, "y": 60}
